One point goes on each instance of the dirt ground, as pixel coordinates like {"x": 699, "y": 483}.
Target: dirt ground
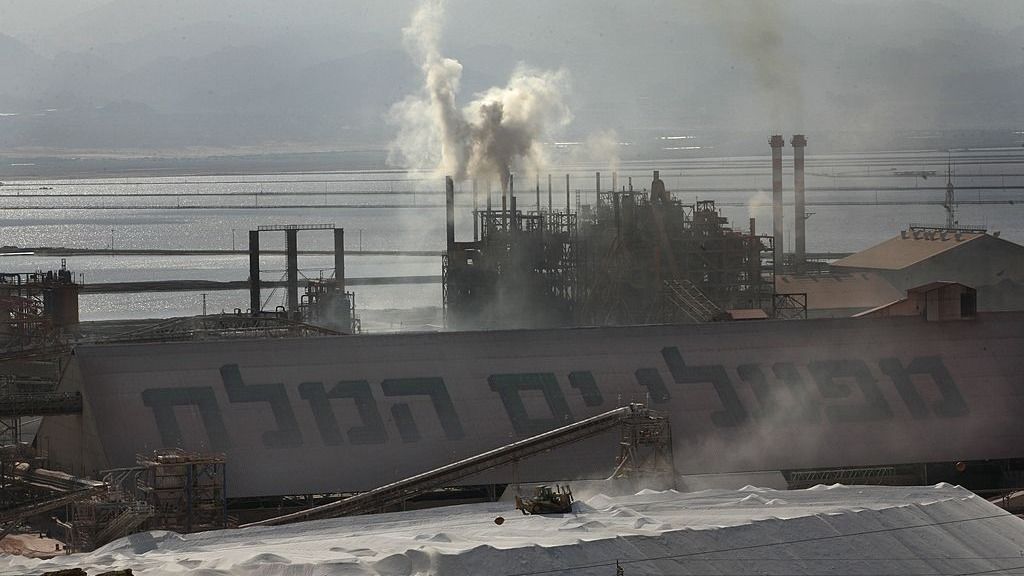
{"x": 30, "y": 545}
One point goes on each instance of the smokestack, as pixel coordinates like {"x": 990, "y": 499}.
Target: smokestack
{"x": 537, "y": 183}
{"x": 255, "y": 300}
{"x": 799, "y": 141}
{"x": 476, "y": 211}
{"x": 504, "y": 198}
{"x": 597, "y": 194}
{"x": 504, "y": 193}
{"x": 515, "y": 220}
{"x": 549, "y": 194}
{"x": 291, "y": 247}
{"x": 449, "y": 193}
{"x": 618, "y": 215}
{"x": 512, "y": 200}
{"x": 339, "y": 258}
{"x": 777, "y": 142}
{"x": 568, "y": 201}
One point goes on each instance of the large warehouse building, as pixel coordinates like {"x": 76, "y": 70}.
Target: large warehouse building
{"x": 883, "y": 273}
{"x": 992, "y": 265}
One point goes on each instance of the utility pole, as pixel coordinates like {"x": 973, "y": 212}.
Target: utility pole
{"x": 204, "y": 303}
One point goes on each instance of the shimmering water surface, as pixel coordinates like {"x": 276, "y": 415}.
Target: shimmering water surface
{"x": 397, "y": 210}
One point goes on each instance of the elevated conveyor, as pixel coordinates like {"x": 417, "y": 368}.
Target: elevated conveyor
{"x": 397, "y": 492}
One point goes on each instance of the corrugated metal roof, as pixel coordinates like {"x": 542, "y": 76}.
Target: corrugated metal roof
{"x": 933, "y": 285}
{"x": 747, "y": 314}
{"x": 856, "y": 290}
{"x": 906, "y": 250}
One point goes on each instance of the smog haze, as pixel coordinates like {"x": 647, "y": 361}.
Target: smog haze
{"x": 117, "y": 75}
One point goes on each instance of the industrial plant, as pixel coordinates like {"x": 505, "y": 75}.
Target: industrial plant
{"x": 635, "y": 256}
{"x": 646, "y": 335}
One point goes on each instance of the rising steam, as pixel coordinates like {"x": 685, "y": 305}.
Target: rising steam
{"x": 500, "y": 131}
{"x": 756, "y": 32}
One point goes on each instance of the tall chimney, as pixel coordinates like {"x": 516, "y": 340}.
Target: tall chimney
{"x": 476, "y": 211}
{"x": 798, "y": 142}
{"x": 255, "y": 300}
{"x": 449, "y": 193}
{"x": 512, "y": 200}
{"x": 291, "y": 236}
{"x": 537, "y": 183}
{"x": 777, "y": 142}
{"x": 339, "y": 258}
{"x": 568, "y": 201}
{"x": 549, "y": 193}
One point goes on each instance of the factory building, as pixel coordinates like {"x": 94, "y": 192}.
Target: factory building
{"x": 919, "y": 256}
{"x": 839, "y": 294}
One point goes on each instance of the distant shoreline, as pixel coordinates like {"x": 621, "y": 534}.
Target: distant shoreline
{"x": 70, "y": 165}
{"x": 39, "y": 164}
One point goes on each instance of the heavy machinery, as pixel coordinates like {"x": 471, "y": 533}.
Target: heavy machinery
{"x": 640, "y": 453}
{"x": 546, "y": 501}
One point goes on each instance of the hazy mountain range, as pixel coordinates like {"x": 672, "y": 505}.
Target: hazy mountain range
{"x": 318, "y": 74}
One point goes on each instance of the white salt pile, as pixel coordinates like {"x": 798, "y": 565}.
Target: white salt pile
{"x": 824, "y": 530}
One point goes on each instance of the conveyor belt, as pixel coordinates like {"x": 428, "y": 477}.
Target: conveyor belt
{"x": 396, "y": 492}
{"x": 40, "y": 404}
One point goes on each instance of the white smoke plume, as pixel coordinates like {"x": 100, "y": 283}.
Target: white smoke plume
{"x": 500, "y": 131}
{"x": 758, "y": 204}
{"x": 599, "y": 148}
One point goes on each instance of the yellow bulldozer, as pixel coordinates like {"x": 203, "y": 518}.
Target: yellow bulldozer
{"x": 546, "y": 501}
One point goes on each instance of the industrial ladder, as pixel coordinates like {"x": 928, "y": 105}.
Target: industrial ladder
{"x": 689, "y": 300}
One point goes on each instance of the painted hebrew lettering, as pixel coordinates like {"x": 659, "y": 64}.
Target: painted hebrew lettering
{"x": 372, "y": 429}
{"x": 509, "y": 387}
{"x": 439, "y": 398}
{"x": 287, "y": 433}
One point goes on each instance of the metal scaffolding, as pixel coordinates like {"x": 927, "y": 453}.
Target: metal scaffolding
{"x": 650, "y": 258}
{"x": 170, "y": 489}
{"x": 632, "y": 258}
{"x": 35, "y": 309}
{"x": 325, "y": 301}
{"x": 520, "y": 273}
{"x": 185, "y": 490}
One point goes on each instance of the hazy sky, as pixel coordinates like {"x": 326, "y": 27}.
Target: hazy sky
{"x": 236, "y": 72}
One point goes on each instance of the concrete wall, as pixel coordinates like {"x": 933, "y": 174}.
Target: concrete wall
{"x": 298, "y": 416}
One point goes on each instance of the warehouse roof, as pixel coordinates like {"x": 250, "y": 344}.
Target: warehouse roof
{"x": 907, "y": 249}
{"x": 838, "y": 291}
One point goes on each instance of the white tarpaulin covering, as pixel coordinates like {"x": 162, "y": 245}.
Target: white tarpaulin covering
{"x": 823, "y": 530}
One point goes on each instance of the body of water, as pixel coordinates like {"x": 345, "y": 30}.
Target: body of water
{"x": 854, "y": 201}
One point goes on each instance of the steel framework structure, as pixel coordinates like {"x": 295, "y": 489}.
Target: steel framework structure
{"x": 645, "y": 428}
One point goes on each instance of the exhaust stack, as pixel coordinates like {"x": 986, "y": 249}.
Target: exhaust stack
{"x": 339, "y": 258}
{"x": 449, "y": 195}
{"x": 291, "y": 236}
{"x": 255, "y": 300}
{"x": 799, "y": 141}
{"x": 777, "y": 142}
